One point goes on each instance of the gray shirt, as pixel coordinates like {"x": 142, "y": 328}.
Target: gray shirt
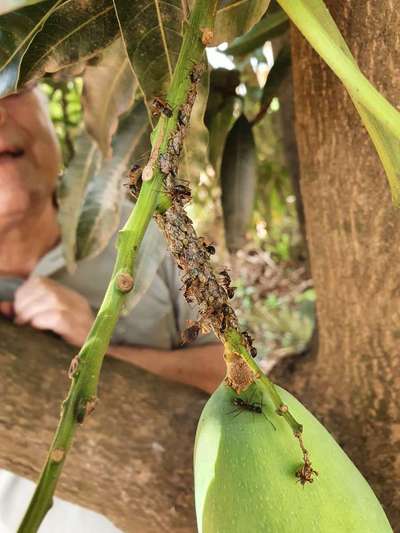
{"x": 155, "y": 313}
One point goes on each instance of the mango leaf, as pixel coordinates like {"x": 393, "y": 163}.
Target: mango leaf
{"x": 17, "y": 29}
{"x": 238, "y": 182}
{"x": 12, "y": 5}
{"x": 74, "y": 32}
{"x": 71, "y": 191}
{"x": 100, "y": 213}
{"x": 380, "y": 118}
{"x": 269, "y": 27}
{"x": 152, "y": 34}
{"x": 109, "y": 89}
{"x": 276, "y": 75}
{"x": 235, "y": 17}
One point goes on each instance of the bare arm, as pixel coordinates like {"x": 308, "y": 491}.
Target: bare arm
{"x": 200, "y": 366}
{"x": 46, "y": 304}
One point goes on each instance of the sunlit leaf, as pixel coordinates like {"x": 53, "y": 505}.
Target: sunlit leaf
{"x": 271, "y": 26}
{"x": 381, "y": 119}
{"x": 108, "y": 91}
{"x": 235, "y": 17}
{"x": 12, "y": 5}
{"x": 17, "y": 29}
{"x": 74, "y": 32}
{"x": 100, "y": 211}
{"x": 238, "y": 182}
{"x": 276, "y": 76}
{"x": 152, "y": 33}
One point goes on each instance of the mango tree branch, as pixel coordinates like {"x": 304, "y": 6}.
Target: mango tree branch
{"x": 86, "y": 366}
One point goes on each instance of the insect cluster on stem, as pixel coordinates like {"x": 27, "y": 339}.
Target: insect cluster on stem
{"x": 201, "y": 285}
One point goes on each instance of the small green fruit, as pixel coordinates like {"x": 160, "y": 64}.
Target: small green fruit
{"x": 245, "y": 473}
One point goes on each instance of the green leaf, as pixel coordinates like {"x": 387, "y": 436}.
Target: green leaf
{"x": 238, "y": 182}
{"x": 12, "y": 5}
{"x": 74, "y": 32}
{"x": 235, "y": 17}
{"x": 100, "y": 211}
{"x": 108, "y": 91}
{"x": 380, "y": 118}
{"x": 271, "y": 26}
{"x": 152, "y": 34}
{"x": 17, "y": 29}
{"x": 276, "y": 76}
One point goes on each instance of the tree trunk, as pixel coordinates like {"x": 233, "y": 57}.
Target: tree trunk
{"x": 353, "y": 382}
{"x": 131, "y": 460}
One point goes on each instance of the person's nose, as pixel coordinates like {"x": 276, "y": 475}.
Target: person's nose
{"x": 3, "y": 115}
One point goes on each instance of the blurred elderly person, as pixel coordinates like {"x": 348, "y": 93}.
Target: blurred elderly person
{"x": 36, "y": 289}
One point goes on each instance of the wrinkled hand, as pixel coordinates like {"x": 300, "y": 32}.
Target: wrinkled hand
{"x": 46, "y": 304}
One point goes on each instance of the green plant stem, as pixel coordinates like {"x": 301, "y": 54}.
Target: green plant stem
{"x": 82, "y": 394}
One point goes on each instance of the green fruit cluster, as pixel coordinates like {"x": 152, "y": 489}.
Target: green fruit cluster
{"x": 245, "y": 473}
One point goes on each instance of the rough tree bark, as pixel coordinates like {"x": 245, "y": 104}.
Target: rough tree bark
{"x": 353, "y": 382}
{"x": 131, "y": 460}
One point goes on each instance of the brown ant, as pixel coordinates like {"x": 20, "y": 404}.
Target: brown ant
{"x": 182, "y": 118}
{"x": 210, "y": 248}
{"x": 248, "y": 337}
{"x": 197, "y": 72}
{"x": 188, "y": 294}
{"x": 135, "y": 179}
{"x": 226, "y": 282}
{"x": 191, "y": 333}
{"x": 223, "y": 324}
{"x": 249, "y": 342}
{"x": 182, "y": 194}
{"x": 158, "y": 105}
{"x": 225, "y": 314}
{"x": 226, "y": 277}
{"x": 179, "y": 192}
{"x": 230, "y": 291}
{"x": 247, "y": 405}
{"x": 225, "y": 309}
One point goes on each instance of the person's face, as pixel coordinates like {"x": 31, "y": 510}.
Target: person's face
{"x": 30, "y": 156}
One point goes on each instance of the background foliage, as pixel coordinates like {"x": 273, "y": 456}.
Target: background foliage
{"x": 274, "y": 297}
